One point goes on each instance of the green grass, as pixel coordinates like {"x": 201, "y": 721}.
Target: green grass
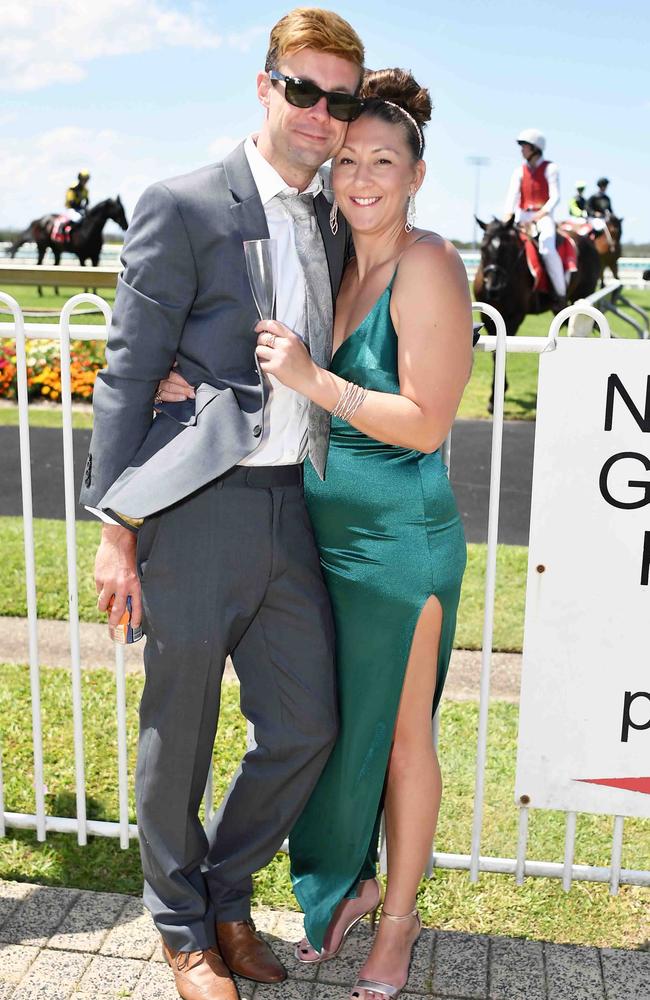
{"x": 539, "y": 909}
{"x": 521, "y": 398}
{"x": 51, "y": 581}
{"x": 45, "y": 415}
{"x": 28, "y": 298}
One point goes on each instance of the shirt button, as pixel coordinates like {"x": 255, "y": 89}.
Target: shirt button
{"x": 257, "y": 430}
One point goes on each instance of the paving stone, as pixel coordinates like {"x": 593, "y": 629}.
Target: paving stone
{"x": 626, "y": 973}
{"x": 246, "y": 988}
{"x": 289, "y": 990}
{"x": 53, "y": 976}
{"x": 573, "y": 972}
{"x": 15, "y": 959}
{"x": 516, "y": 970}
{"x": 155, "y": 983}
{"x": 38, "y": 916}
{"x": 330, "y": 993}
{"x": 89, "y": 921}
{"x": 265, "y": 919}
{"x": 287, "y": 931}
{"x": 111, "y": 977}
{"x": 6, "y": 990}
{"x": 343, "y": 970}
{"x": 460, "y": 965}
{"x": 11, "y": 895}
{"x": 134, "y": 935}
{"x": 419, "y": 980}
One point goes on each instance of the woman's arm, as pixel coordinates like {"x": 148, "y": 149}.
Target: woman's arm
{"x": 431, "y": 311}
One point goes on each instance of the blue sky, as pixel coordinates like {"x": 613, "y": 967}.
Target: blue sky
{"x": 136, "y": 90}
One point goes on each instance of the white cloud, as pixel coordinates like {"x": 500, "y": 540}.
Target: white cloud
{"x": 35, "y": 171}
{"x": 44, "y": 42}
{"x": 243, "y": 41}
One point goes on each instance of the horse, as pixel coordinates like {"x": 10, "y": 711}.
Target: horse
{"x": 503, "y": 278}
{"x": 609, "y": 251}
{"x": 86, "y": 238}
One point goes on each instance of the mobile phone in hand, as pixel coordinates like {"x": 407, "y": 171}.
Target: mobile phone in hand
{"x": 123, "y": 632}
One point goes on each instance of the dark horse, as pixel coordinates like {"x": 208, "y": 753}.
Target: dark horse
{"x": 609, "y": 253}
{"x": 86, "y": 239}
{"x": 504, "y": 281}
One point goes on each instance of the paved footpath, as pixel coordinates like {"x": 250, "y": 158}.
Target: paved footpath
{"x": 57, "y": 944}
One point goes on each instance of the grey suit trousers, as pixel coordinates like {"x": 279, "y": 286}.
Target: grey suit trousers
{"x": 232, "y": 569}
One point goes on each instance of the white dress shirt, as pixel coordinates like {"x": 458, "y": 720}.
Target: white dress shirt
{"x": 284, "y": 441}
{"x": 285, "y": 437}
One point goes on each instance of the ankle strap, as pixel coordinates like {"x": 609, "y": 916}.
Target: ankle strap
{"x": 406, "y": 916}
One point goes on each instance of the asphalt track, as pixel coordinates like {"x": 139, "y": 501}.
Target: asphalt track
{"x": 470, "y": 474}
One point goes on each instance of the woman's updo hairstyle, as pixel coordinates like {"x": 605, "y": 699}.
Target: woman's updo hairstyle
{"x": 398, "y": 87}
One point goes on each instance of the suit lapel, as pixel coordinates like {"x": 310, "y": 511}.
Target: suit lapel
{"x": 247, "y": 209}
{"x": 334, "y": 245}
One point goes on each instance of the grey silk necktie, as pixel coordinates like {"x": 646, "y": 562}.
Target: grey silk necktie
{"x": 319, "y": 310}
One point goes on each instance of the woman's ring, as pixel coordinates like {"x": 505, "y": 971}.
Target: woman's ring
{"x": 270, "y": 340}
{"x": 157, "y": 398}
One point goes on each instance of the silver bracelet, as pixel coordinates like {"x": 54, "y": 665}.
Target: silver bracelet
{"x": 349, "y": 401}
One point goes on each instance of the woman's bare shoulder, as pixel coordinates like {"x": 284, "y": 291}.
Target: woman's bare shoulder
{"x": 430, "y": 257}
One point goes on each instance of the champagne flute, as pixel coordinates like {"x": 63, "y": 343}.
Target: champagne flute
{"x": 262, "y": 266}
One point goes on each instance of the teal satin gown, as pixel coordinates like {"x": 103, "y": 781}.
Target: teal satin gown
{"x": 390, "y": 537}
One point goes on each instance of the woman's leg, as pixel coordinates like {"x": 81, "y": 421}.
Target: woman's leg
{"x": 413, "y": 790}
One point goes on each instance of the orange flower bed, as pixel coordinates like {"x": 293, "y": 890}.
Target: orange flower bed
{"x": 44, "y": 369}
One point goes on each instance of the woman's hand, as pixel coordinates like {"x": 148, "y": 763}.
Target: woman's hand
{"x": 174, "y": 388}
{"x": 282, "y": 353}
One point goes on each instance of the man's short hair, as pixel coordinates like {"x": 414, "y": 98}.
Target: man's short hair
{"x": 313, "y": 28}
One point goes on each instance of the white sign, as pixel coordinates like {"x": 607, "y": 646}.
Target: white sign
{"x": 584, "y": 729}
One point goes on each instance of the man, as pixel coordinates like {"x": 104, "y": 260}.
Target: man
{"x": 578, "y": 203}
{"x": 76, "y": 198}
{"x": 599, "y": 204}
{"x": 599, "y": 207}
{"x": 533, "y": 195}
{"x": 225, "y": 555}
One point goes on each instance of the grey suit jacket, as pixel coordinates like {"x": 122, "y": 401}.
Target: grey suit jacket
{"x": 184, "y": 294}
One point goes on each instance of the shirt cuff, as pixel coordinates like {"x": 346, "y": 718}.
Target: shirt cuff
{"x": 120, "y": 520}
{"x": 101, "y": 515}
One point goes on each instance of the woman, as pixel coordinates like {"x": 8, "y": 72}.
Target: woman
{"x": 390, "y": 538}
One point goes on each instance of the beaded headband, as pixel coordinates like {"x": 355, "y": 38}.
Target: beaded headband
{"x": 412, "y": 121}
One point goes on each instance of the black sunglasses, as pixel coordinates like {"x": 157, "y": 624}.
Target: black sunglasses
{"x": 305, "y": 94}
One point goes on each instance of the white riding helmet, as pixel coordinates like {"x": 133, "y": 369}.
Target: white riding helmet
{"x": 534, "y": 137}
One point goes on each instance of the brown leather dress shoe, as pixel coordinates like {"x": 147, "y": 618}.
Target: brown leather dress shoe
{"x": 200, "y": 975}
{"x": 247, "y": 954}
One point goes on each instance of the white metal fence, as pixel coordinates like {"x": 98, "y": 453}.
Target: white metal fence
{"x": 475, "y": 861}
{"x": 630, "y": 269}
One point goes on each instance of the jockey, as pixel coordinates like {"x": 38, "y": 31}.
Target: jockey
{"x": 533, "y": 194}
{"x": 578, "y": 204}
{"x": 76, "y": 198}
{"x": 599, "y": 204}
{"x": 599, "y": 207}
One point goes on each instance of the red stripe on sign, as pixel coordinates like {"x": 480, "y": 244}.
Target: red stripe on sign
{"x": 630, "y": 784}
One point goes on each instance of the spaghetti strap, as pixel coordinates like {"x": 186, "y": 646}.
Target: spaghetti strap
{"x": 418, "y": 240}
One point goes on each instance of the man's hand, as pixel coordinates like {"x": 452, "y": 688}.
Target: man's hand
{"x": 116, "y": 575}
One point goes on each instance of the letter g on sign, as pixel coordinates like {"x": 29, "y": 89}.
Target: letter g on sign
{"x": 643, "y": 484}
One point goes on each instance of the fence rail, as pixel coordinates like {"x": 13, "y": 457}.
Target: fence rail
{"x": 475, "y": 861}
{"x": 630, "y": 269}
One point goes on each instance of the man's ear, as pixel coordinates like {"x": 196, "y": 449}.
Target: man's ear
{"x": 263, "y": 88}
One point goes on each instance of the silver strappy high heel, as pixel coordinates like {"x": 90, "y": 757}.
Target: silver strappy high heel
{"x": 302, "y": 949}
{"x": 387, "y": 989}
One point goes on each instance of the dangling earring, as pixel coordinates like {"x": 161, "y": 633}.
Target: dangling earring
{"x": 410, "y": 214}
{"x": 334, "y": 218}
